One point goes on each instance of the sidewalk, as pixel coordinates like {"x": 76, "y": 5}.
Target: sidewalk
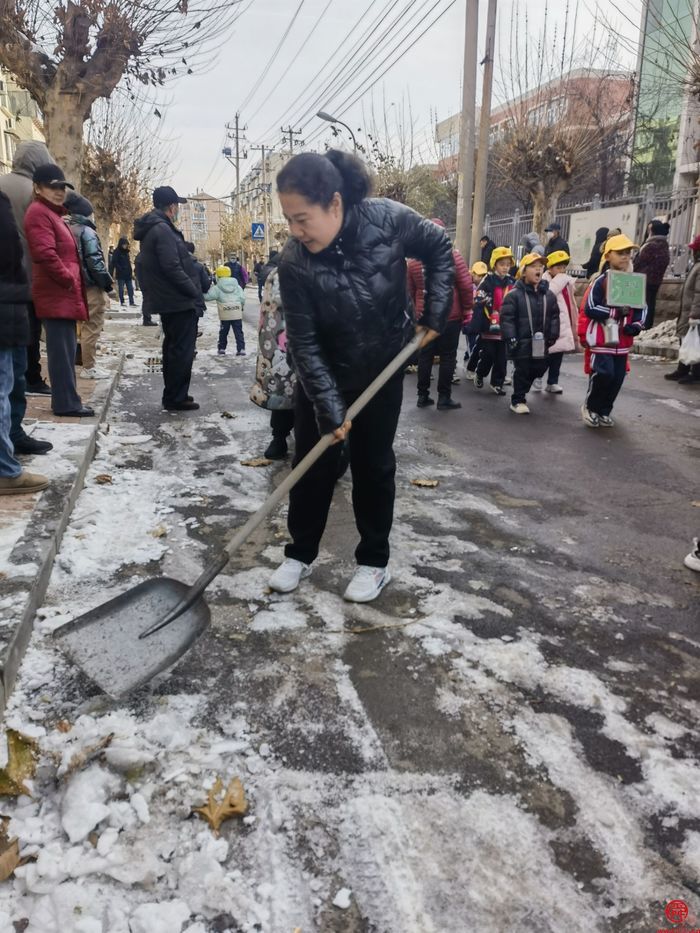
{"x": 31, "y": 526}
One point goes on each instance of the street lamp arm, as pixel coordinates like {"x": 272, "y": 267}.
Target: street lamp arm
{"x": 331, "y": 119}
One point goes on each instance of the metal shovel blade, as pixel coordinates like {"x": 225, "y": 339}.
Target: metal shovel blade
{"x": 105, "y": 642}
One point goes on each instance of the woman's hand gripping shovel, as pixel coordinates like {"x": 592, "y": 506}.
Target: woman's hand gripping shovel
{"x": 125, "y": 642}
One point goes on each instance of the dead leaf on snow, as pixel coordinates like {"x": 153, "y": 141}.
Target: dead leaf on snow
{"x": 9, "y": 853}
{"x": 22, "y": 753}
{"x": 425, "y": 483}
{"x": 232, "y": 803}
{"x": 103, "y": 479}
{"x": 696, "y": 503}
{"x": 160, "y": 531}
{"x": 257, "y": 462}
{"x": 227, "y": 414}
{"x": 80, "y": 759}
{"x": 63, "y": 725}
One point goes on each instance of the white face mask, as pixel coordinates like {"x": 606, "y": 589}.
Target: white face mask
{"x": 549, "y": 235}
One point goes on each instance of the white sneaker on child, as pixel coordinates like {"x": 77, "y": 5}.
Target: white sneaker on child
{"x": 288, "y": 575}
{"x": 692, "y": 560}
{"x": 537, "y": 385}
{"x": 554, "y": 389}
{"x": 366, "y": 584}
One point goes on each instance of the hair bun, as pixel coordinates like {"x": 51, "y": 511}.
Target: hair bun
{"x": 357, "y": 183}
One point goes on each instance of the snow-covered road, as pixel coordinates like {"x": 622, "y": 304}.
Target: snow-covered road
{"x": 512, "y": 748}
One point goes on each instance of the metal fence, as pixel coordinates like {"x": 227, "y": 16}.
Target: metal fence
{"x": 676, "y": 207}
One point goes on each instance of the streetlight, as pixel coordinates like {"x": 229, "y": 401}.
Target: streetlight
{"x": 329, "y": 119}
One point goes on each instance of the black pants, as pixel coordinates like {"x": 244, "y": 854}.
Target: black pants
{"x": 472, "y": 352}
{"x": 492, "y": 359}
{"x": 260, "y": 291}
{"x": 61, "y": 346}
{"x": 608, "y": 372}
{"x": 237, "y": 328}
{"x": 554, "y": 368}
{"x": 179, "y": 338}
{"x": 652, "y": 292}
{"x": 282, "y": 422}
{"x": 33, "y": 374}
{"x": 525, "y": 372}
{"x": 446, "y": 348}
{"x": 373, "y": 466}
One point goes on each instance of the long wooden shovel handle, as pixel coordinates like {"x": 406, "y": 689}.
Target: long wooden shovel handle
{"x": 244, "y": 532}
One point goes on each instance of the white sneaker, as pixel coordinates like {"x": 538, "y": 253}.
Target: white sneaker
{"x": 537, "y": 385}
{"x": 288, "y": 575}
{"x": 692, "y": 560}
{"x": 589, "y": 418}
{"x": 520, "y": 408}
{"x": 469, "y": 374}
{"x": 94, "y": 373}
{"x": 554, "y": 389}
{"x": 507, "y": 381}
{"x": 366, "y": 584}
{"x": 605, "y": 421}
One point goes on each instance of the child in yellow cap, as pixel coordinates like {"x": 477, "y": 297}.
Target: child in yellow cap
{"x": 230, "y": 301}
{"x": 609, "y": 333}
{"x": 478, "y": 271}
{"x": 561, "y": 285}
{"x": 485, "y": 322}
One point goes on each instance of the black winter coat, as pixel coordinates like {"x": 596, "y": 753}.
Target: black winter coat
{"x": 556, "y": 243}
{"x": 515, "y": 322}
{"x": 347, "y": 308}
{"x": 14, "y": 290}
{"x": 167, "y": 275}
{"x": 121, "y": 264}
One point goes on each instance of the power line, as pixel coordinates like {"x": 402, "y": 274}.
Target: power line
{"x": 272, "y": 58}
{"x": 323, "y": 67}
{"x": 343, "y": 108}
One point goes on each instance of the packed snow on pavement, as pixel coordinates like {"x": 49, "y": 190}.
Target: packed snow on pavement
{"x": 477, "y": 802}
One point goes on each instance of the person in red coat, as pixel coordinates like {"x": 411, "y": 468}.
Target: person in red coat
{"x": 446, "y": 344}
{"x": 58, "y": 291}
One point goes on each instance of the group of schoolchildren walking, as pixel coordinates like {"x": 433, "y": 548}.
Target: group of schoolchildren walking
{"x": 527, "y": 313}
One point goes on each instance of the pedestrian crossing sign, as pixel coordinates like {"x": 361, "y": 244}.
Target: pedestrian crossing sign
{"x": 258, "y": 232}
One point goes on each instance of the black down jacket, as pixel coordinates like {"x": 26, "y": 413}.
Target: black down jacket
{"x": 167, "y": 274}
{"x": 14, "y": 291}
{"x": 347, "y": 308}
{"x": 515, "y": 322}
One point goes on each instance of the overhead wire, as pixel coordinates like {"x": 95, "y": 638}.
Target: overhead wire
{"x": 271, "y": 60}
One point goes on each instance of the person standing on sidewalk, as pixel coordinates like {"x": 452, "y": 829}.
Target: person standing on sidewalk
{"x": 610, "y": 333}
{"x": 170, "y": 286}
{"x": 237, "y": 271}
{"x": 14, "y": 333}
{"x": 689, "y": 311}
{"x": 555, "y": 241}
{"x": 98, "y": 281}
{"x": 653, "y": 259}
{"x": 446, "y": 344}
{"x": 348, "y": 314}
{"x": 485, "y": 321}
{"x": 561, "y": 285}
{"x": 122, "y": 271}
{"x": 230, "y": 302}
{"x": 18, "y": 187}
{"x": 530, "y": 326}
{"x": 57, "y": 286}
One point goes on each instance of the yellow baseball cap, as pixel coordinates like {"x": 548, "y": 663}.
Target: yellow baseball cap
{"x": 479, "y": 268}
{"x": 557, "y": 258}
{"x": 617, "y": 243}
{"x": 501, "y": 252}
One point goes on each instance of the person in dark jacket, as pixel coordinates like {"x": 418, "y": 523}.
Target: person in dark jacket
{"x": 258, "y": 273}
{"x": 555, "y": 241}
{"x": 593, "y": 264}
{"x": 121, "y": 269}
{"x": 487, "y": 247}
{"x": 98, "y": 281}
{"x": 171, "y": 288}
{"x": 271, "y": 264}
{"x": 146, "y": 319}
{"x": 14, "y": 333}
{"x": 203, "y": 278}
{"x": 237, "y": 271}
{"x": 343, "y": 284}
{"x": 446, "y": 344}
{"x": 530, "y": 326}
{"x": 653, "y": 259}
{"x": 58, "y": 289}
{"x": 485, "y": 322}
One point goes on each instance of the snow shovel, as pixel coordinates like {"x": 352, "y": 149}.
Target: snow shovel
{"x": 112, "y": 643}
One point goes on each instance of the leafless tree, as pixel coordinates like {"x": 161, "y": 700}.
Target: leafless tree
{"x": 68, "y": 55}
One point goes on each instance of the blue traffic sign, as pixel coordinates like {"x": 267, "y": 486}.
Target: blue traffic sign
{"x": 258, "y": 232}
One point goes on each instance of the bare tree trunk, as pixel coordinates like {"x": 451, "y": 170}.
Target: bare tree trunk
{"x": 64, "y": 115}
{"x": 540, "y": 206}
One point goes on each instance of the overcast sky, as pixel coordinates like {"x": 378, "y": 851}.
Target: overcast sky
{"x": 429, "y": 75}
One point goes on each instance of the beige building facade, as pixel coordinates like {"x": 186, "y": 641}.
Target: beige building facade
{"x": 19, "y": 119}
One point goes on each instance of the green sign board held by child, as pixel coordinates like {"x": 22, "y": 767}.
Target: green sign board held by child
{"x": 626, "y": 289}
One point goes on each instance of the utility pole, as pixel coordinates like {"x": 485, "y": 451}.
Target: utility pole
{"x": 465, "y": 168}
{"x": 292, "y": 141}
{"x": 235, "y": 132}
{"x": 482, "y": 154}
{"x": 264, "y": 152}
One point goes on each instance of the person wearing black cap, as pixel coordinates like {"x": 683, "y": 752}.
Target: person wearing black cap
{"x": 555, "y": 241}
{"x": 171, "y": 288}
{"x": 97, "y": 280}
{"x": 58, "y": 290}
